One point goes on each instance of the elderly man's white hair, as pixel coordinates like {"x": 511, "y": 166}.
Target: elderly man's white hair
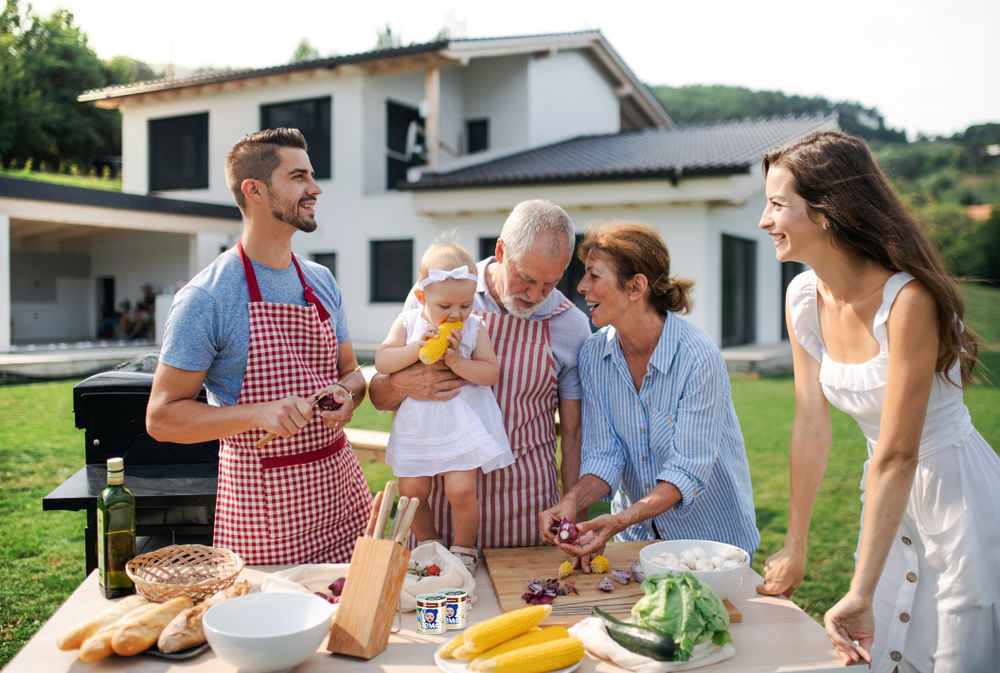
{"x": 535, "y": 219}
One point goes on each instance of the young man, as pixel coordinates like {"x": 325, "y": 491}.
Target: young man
{"x": 266, "y": 333}
{"x": 537, "y": 333}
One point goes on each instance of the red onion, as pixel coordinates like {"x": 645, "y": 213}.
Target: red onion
{"x": 621, "y": 576}
{"x": 637, "y": 573}
{"x": 605, "y": 585}
{"x": 337, "y": 587}
{"x": 567, "y": 531}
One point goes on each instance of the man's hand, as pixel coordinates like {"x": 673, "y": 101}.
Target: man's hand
{"x": 594, "y": 535}
{"x": 283, "y": 417}
{"x": 340, "y": 417}
{"x": 428, "y": 382}
{"x": 783, "y": 573}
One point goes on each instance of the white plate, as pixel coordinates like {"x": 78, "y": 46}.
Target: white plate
{"x": 462, "y": 666}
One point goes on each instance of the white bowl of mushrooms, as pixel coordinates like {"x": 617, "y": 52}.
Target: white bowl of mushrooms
{"x": 717, "y": 564}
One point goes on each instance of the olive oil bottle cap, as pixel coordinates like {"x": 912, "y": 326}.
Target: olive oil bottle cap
{"x": 116, "y": 471}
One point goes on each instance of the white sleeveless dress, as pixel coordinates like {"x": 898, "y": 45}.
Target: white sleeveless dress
{"x": 463, "y": 433}
{"x": 936, "y": 605}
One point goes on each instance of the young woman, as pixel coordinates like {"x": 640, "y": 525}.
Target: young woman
{"x": 876, "y": 330}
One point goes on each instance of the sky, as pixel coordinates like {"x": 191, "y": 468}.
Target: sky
{"x": 930, "y": 66}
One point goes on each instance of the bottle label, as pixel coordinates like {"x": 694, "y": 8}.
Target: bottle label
{"x": 100, "y": 547}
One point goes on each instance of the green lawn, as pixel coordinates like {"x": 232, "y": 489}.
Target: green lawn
{"x": 64, "y": 179}
{"x": 41, "y": 553}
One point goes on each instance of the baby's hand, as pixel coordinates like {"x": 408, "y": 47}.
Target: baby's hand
{"x": 451, "y": 356}
{"x": 429, "y": 333}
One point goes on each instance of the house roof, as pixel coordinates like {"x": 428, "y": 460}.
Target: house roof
{"x": 81, "y": 196}
{"x": 636, "y": 97}
{"x": 702, "y": 149}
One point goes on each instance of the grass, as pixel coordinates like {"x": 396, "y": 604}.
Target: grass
{"x": 63, "y": 179}
{"x": 41, "y": 553}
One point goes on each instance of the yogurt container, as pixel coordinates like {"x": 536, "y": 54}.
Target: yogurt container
{"x": 430, "y": 613}
{"x": 454, "y": 613}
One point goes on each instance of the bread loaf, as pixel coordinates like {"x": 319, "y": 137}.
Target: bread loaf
{"x": 72, "y": 638}
{"x": 138, "y": 633}
{"x": 185, "y": 630}
{"x": 98, "y": 645}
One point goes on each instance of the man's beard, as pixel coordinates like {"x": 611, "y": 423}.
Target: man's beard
{"x": 509, "y": 303}
{"x": 288, "y": 212}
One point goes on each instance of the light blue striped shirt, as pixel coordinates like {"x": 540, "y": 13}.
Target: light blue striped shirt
{"x": 680, "y": 427}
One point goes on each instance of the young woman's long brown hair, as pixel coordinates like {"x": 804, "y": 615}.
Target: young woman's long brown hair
{"x": 838, "y": 177}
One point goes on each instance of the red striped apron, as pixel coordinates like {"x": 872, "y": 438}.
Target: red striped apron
{"x": 512, "y": 499}
{"x": 289, "y": 502}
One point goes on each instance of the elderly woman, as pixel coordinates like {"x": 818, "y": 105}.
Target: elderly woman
{"x": 659, "y": 428}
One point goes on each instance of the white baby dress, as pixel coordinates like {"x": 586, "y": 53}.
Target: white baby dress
{"x": 463, "y": 433}
{"x": 936, "y": 604}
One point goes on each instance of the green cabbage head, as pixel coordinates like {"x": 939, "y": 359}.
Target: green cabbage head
{"x": 680, "y": 606}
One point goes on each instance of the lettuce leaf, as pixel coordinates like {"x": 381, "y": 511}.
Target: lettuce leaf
{"x": 680, "y": 606}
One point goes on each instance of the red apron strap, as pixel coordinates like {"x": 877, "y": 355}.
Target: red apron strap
{"x": 249, "y": 273}
{"x": 309, "y": 295}
{"x": 254, "y": 288}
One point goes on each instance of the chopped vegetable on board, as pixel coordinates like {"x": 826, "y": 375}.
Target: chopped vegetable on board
{"x": 599, "y": 564}
{"x": 543, "y": 593}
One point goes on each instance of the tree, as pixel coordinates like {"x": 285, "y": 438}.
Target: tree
{"x": 305, "y": 51}
{"x": 125, "y": 70}
{"x": 386, "y": 39}
{"x": 697, "y": 104}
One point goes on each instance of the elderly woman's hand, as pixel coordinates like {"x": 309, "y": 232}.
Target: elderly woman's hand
{"x": 593, "y": 536}
{"x": 553, "y": 517}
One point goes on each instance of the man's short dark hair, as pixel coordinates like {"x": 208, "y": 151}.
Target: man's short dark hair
{"x": 255, "y": 156}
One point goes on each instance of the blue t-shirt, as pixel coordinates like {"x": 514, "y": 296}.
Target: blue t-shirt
{"x": 208, "y": 327}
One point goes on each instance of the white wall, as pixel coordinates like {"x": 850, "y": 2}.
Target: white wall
{"x": 405, "y": 88}
{"x": 568, "y": 97}
{"x": 497, "y": 89}
{"x": 71, "y": 316}
{"x": 149, "y": 257}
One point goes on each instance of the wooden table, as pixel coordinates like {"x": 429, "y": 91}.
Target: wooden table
{"x": 775, "y": 635}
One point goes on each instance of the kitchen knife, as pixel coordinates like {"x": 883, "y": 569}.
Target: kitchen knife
{"x": 400, "y": 511}
{"x": 383, "y": 515}
{"x": 376, "y": 506}
{"x": 263, "y": 441}
{"x": 404, "y": 527}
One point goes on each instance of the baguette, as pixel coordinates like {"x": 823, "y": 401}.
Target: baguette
{"x": 185, "y": 630}
{"x": 72, "y": 638}
{"x": 136, "y": 634}
{"x": 98, "y": 645}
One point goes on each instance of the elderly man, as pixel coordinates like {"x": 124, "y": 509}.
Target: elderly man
{"x": 537, "y": 333}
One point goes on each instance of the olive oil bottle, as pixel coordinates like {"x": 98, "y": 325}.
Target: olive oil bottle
{"x": 115, "y": 533}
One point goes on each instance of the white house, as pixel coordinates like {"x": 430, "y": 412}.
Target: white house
{"x": 412, "y": 142}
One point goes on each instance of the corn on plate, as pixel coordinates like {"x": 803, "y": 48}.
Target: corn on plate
{"x": 461, "y": 666}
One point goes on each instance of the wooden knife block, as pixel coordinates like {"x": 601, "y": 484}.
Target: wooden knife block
{"x": 371, "y": 597}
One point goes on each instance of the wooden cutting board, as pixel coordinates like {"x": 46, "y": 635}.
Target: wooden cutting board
{"x": 511, "y": 568}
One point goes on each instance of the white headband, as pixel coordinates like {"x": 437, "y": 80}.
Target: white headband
{"x": 435, "y": 275}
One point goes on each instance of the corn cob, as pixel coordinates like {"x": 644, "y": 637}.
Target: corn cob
{"x": 530, "y": 638}
{"x": 432, "y": 351}
{"x": 490, "y": 633}
{"x": 599, "y": 564}
{"x": 464, "y": 652}
{"x": 537, "y": 658}
{"x": 448, "y": 650}
{"x": 565, "y": 569}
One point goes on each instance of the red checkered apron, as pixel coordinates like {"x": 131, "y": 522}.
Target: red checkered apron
{"x": 512, "y": 499}
{"x": 289, "y": 502}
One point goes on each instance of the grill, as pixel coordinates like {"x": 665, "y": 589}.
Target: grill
{"x": 174, "y": 484}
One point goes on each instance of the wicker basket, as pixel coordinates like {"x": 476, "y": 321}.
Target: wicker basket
{"x": 191, "y": 570}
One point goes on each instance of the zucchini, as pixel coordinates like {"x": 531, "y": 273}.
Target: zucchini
{"x": 638, "y": 639}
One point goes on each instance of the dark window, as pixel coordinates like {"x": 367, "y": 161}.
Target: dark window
{"x": 327, "y": 259}
{"x": 478, "y": 131}
{"x": 739, "y": 286}
{"x": 487, "y": 247}
{"x": 178, "y": 153}
{"x": 391, "y": 270}
{"x": 405, "y": 146}
{"x": 789, "y": 270}
{"x": 572, "y": 277}
{"x": 313, "y": 118}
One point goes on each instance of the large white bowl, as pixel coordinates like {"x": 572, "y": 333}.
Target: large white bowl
{"x": 723, "y": 582}
{"x": 267, "y": 632}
